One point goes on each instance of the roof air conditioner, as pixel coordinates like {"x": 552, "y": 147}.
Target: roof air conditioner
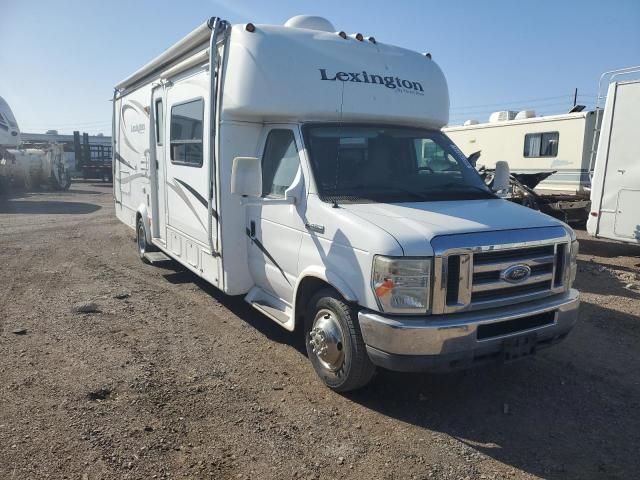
{"x": 502, "y": 116}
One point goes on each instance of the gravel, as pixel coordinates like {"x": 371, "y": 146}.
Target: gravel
{"x": 176, "y": 380}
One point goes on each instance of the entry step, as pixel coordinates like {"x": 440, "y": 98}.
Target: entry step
{"x": 156, "y": 257}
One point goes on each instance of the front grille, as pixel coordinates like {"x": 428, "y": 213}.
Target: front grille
{"x": 475, "y": 271}
{"x": 490, "y": 286}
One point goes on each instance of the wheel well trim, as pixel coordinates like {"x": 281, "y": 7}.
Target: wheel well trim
{"x": 332, "y": 279}
{"x": 143, "y": 212}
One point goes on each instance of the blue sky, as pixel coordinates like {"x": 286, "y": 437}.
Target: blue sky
{"x": 60, "y": 59}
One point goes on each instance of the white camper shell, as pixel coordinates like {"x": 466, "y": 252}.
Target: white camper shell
{"x": 615, "y": 195}
{"x": 309, "y": 174}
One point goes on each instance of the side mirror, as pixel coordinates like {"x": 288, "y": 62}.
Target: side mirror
{"x": 246, "y": 177}
{"x": 501, "y": 177}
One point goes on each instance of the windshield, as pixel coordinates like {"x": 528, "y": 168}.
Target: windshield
{"x": 356, "y": 163}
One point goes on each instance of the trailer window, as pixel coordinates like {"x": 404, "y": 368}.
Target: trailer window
{"x": 159, "y": 113}
{"x": 280, "y": 163}
{"x": 541, "y": 144}
{"x": 187, "y": 120}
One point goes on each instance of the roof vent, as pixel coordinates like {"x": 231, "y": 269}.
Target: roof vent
{"x": 471, "y": 122}
{"x": 502, "y": 116}
{"x": 310, "y": 22}
{"x": 525, "y": 114}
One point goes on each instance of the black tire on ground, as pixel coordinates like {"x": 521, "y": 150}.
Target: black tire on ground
{"x": 345, "y": 365}
{"x": 141, "y": 241}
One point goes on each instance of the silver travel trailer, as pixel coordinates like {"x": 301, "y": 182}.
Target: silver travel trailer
{"x": 615, "y": 195}
{"x": 29, "y": 164}
{"x": 305, "y": 169}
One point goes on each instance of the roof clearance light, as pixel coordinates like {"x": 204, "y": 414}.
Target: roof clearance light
{"x": 250, "y": 27}
{"x": 342, "y": 34}
{"x": 372, "y": 39}
{"x": 359, "y": 37}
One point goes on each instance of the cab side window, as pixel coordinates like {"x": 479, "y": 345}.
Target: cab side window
{"x": 280, "y": 163}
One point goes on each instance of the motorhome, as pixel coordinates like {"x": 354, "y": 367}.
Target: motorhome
{"x": 305, "y": 168}
{"x": 616, "y": 173}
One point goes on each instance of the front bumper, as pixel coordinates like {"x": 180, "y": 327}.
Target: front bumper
{"x": 443, "y": 342}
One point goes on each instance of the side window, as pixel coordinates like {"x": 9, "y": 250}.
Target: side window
{"x": 159, "y": 114}
{"x": 280, "y": 163}
{"x": 432, "y": 157}
{"x": 541, "y": 144}
{"x": 187, "y": 120}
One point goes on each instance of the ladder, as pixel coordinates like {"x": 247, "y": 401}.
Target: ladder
{"x": 605, "y": 79}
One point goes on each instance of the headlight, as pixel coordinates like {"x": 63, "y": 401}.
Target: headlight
{"x": 573, "y": 262}
{"x": 402, "y": 285}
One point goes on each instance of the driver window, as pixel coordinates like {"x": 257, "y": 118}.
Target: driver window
{"x": 432, "y": 157}
{"x": 280, "y": 163}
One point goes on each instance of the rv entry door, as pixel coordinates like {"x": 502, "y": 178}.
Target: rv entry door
{"x": 158, "y": 167}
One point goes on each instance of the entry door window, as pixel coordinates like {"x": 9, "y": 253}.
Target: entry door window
{"x": 159, "y": 113}
{"x": 280, "y": 163}
{"x": 187, "y": 120}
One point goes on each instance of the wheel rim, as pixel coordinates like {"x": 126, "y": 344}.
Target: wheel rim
{"x": 326, "y": 340}
{"x": 141, "y": 240}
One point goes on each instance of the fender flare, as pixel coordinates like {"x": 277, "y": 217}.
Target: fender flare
{"x": 143, "y": 211}
{"x": 332, "y": 278}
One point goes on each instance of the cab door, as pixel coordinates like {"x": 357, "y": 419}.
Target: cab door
{"x": 275, "y": 227}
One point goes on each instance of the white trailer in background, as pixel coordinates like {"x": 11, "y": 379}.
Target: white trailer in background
{"x": 530, "y": 144}
{"x": 615, "y": 193}
{"x": 537, "y": 145}
{"x": 305, "y": 169}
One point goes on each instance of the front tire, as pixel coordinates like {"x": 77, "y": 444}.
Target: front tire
{"x": 334, "y": 343}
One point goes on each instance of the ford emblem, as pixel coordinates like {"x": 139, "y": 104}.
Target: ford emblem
{"x": 516, "y": 273}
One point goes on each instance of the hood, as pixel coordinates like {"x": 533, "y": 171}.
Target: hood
{"x": 414, "y": 225}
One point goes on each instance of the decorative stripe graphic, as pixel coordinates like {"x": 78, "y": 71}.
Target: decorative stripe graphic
{"x": 186, "y": 200}
{"x": 124, "y": 162}
{"x": 267, "y": 254}
{"x": 196, "y": 194}
{"x": 130, "y": 178}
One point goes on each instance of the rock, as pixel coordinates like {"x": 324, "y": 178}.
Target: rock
{"x": 101, "y": 394}
{"x": 86, "y": 307}
{"x": 340, "y": 460}
{"x": 630, "y": 286}
{"x": 19, "y": 331}
{"x": 122, "y": 295}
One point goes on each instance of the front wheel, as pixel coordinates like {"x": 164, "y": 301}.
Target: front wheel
{"x": 334, "y": 343}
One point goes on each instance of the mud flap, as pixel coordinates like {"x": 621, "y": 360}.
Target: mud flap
{"x": 519, "y": 347}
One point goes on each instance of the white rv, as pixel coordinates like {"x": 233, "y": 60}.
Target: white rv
{"x": 616, "y": 176}
{"x": 305, "y": 168}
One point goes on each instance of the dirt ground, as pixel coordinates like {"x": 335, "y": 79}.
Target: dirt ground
{"x": 171, "y": 379}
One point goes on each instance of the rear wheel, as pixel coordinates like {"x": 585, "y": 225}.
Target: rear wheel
{"x": 334, "y": 343}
